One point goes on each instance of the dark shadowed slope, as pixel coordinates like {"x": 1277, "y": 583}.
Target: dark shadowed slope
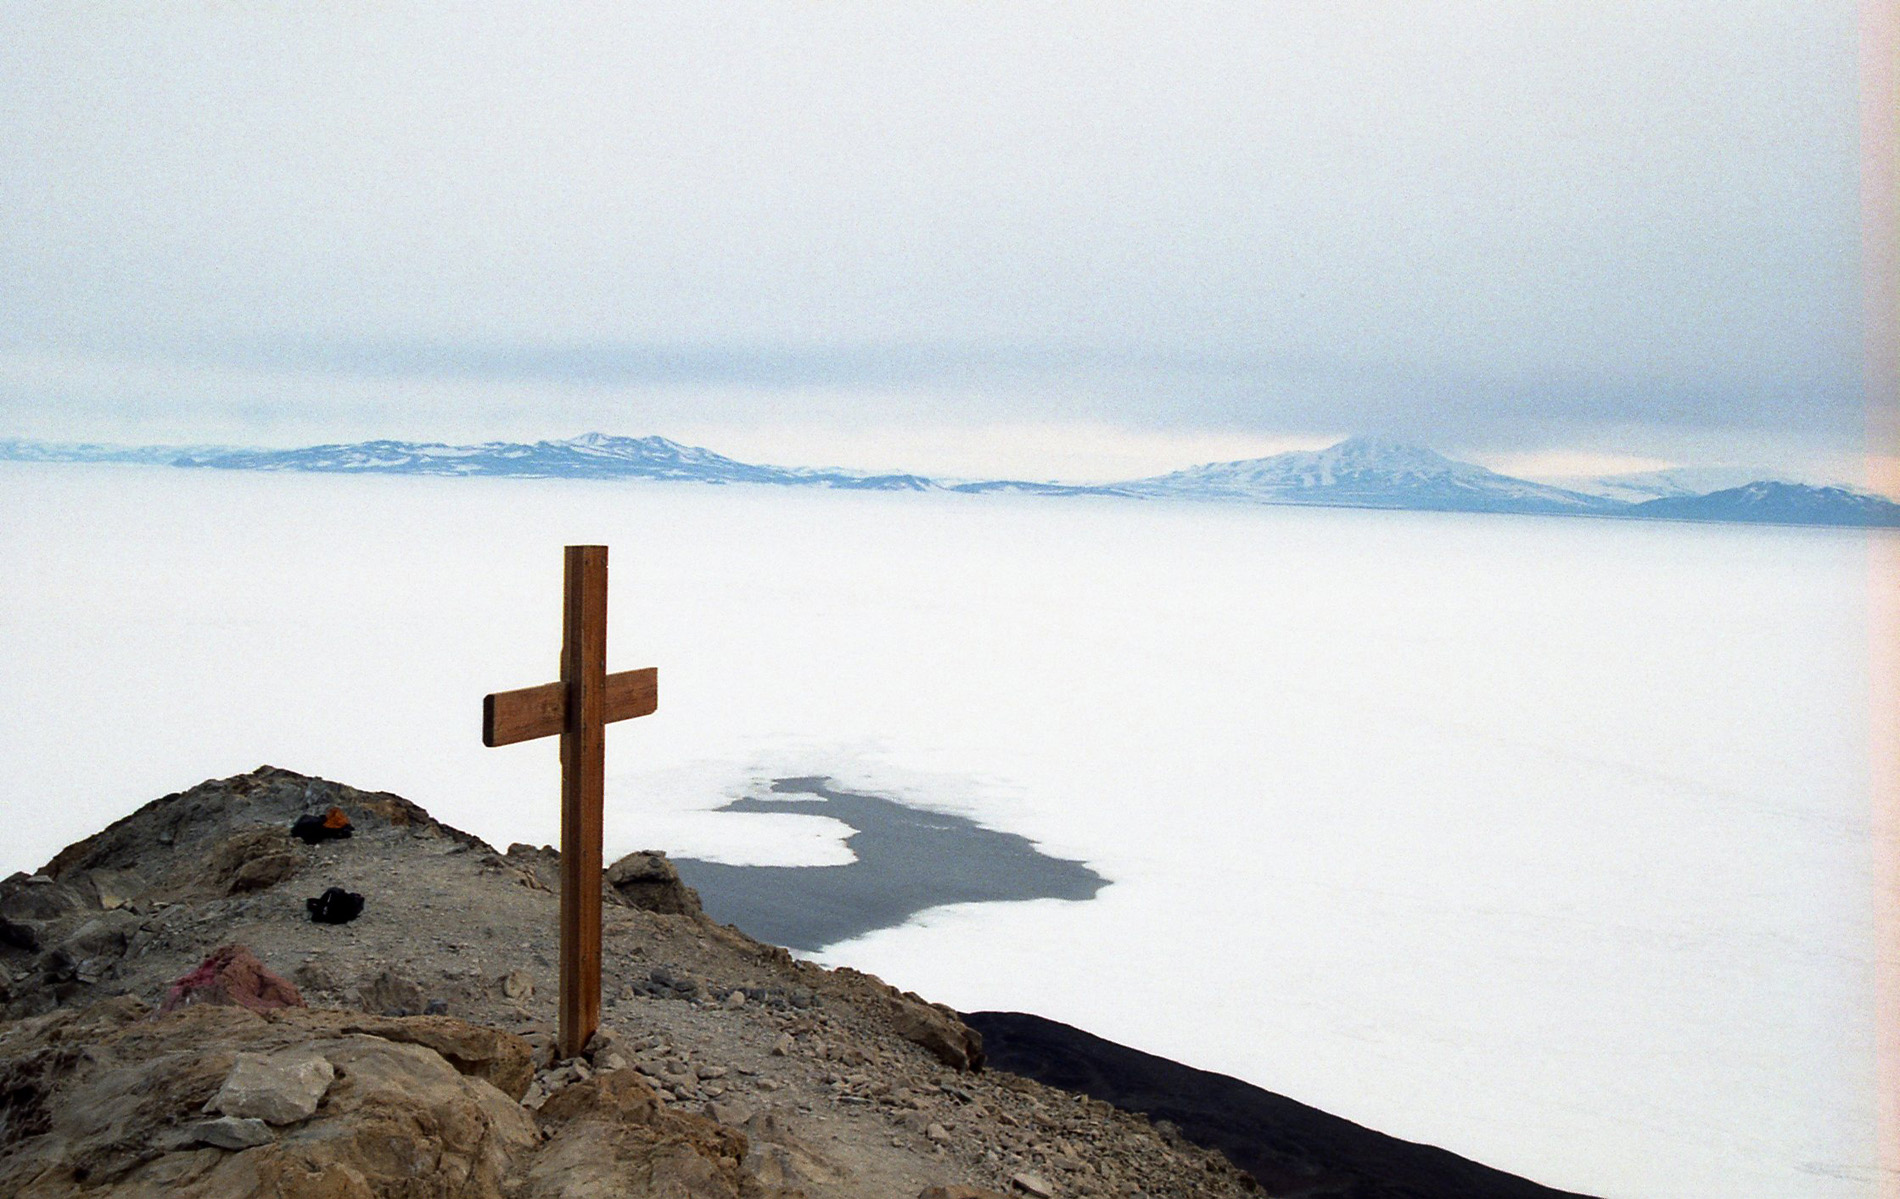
{"x": 1293, "y": 1149}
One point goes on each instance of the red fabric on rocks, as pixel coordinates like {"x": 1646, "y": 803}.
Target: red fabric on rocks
{"x": 232, "y": 975}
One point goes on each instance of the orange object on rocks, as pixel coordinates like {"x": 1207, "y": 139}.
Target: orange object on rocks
{"x": 331, "y": 825}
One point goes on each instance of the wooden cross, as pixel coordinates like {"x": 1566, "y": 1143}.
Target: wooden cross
{"x": 579, "y": 708}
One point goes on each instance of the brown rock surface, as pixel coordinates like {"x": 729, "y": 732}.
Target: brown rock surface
{"x": 937, "y": 1029}
{"x": 250, "y": 860}
{"x": 647, "y": 880}
{"x": 498, "y": 1058}
{"x": 826, "y": 1083}
{"x": 610, "y": 1136}
{"x": 118, "y": 1119}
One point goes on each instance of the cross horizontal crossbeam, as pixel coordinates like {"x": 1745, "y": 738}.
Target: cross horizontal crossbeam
{"x": 531, "y": 712}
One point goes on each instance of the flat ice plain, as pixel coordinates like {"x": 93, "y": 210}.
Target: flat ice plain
{"x": 1544, "y": 840}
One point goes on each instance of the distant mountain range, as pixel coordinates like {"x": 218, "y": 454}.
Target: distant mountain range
{"x": 591, "y": 456}
{"x": 87, "y": 451}
{"x": 1638, "y": 486}
{"x": 1361, "y": 472}
{"x": 1365, "y": 472}
{"x": 1776, "y": 503}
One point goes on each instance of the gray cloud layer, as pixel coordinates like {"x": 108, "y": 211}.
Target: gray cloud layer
{"x": 1514, "y": 219}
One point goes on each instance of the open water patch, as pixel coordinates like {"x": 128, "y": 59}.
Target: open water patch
{"x": 908, "y": 860}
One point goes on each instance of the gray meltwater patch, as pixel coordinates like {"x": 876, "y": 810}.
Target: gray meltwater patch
{"x": 907, "y": 860}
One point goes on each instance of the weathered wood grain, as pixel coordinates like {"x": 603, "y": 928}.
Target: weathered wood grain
{"x": 583, "y": 785}
{"x": 578, "y": 709}
{"x": 534, "y": 712}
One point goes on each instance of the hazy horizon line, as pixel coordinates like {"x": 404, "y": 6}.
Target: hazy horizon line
{"x": 1305, "y": 444}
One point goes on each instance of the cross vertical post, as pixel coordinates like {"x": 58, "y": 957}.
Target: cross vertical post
{"x": 583, "y": 785}
{"x": 577, "y": 709}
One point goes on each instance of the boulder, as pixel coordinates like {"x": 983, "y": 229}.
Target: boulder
{"x": 20, "y": 934}
{"x": 232, "y": 1132}
{"x": 115, "y": 888}
{"x": 279, "y": 1088}
{"x": 609, "y": 1137}
{"x": 539, "y": 867}
{"x": 776, "y": 1157}
{"x": 105, "y": 935}
{"x": 390, "y": 994}
{"x": 39, "y": 898}
{"x": 938, "y": 1029}
{"x": 263, "y": 872}
{"x": 250, "y": 860}
{"x": 501, "y": 1059}
{"x": 647, "y": 880}
{"x": 402, "y": 1119}
{"x": 517, "y": 985}
{"x": 232, "y": 975}
{"x": 100, "y": 1101}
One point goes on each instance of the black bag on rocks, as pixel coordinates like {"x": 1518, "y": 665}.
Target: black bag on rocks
{"x": 335, "y": 906}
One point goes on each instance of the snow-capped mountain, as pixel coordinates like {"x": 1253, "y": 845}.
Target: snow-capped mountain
{"x": 593, "y": 455}
{"x": 1368, "y": 472}
{"x": 1020, "y": 487}
{"x": 1634, "y": 487}
{"x": 1780, "y": 504}
{"x": 590, "y": 456}
{"x": 1361, "y": 472}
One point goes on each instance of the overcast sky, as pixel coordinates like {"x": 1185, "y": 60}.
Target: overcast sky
{"x": 1016, "y": 235}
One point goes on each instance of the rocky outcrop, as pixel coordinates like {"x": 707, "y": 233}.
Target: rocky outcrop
{"x": 67, "y": 931}
{"x": 216, "y": 809}
{"x": 219, "y": 1102}
{"x": 938, "y": 1029}
{"x": 501, "y": 1059}
{"x": 251, "y": 860}
{"x": 609, "y": 1137}
{"x": 648, "y": 881}
{"x": 931, "y": 1026}
{"x": 341, "y": 1113}
{"x": 726, "y": 1067}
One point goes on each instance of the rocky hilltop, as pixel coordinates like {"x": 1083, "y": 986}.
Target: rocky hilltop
{"x": 177, "y": 1023}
